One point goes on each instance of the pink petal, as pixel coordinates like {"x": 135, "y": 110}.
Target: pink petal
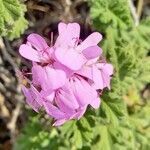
{"x": 70, "y": 58}
{"x": 86, "y": 71}
{"x": 62, "y": 27}
{"x": 68, "y": 36}
{"x": 106, "y": 80}
{"x": 80, "y": 113}
{"x": 92, "y": 61}
{"x": 92, "y": 52}
{"x": 48, "y": 95}
{"x": 59, "y": 122}
{"x": 73, "y": 32}
{"x": 65, "y": 95}
{"x": 60, "y": 66}
{"x": 31, "y": 99}
{"x": 92, "y": 40}
{"x": 53, "y": 111}
{"x": 36, "y": 74}
{"x": 106, "y": 71}
{"x": 95, "y": 103}
{"x": 29, "y": 53}
{"x": 107, "y": 68}
{"x": 97, "y": 78}
{"x": 63, "y": 106}
{"x": 99, "y": 74}
{"x": 37, "y": 41}
{"x": 52, "y": 78}
{"x": 83, "y": 92}
{"x": 37, "y": 95}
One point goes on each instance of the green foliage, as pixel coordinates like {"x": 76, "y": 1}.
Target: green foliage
{"x": 36, "y": 137}
{"x": 12, "y": 21}
{"x": 113, "y": 13}
{"x": 126, "y": 46}
{"x": 122, "y": 122}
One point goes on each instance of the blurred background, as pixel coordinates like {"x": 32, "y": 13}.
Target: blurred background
{"x": 125, "y": 26}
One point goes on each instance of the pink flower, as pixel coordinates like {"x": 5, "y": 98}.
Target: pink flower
{"x": 36, "y": 49}
{"x": 48, "y": 77}
{"x": 65, "y": 77}
{"x": 68, "y": 102}
{"x": 71, "y": 101}
{"x": 67, "y": 46}
{"x": 98, "y": 74}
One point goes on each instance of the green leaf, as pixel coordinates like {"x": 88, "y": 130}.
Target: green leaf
{"x": 19, "y": 27}
{"x": 84, "y": 124}
{"x": 77, "y": 139}
{"x": 12, "y": 21}
{"x": 104, "y": 142}
{"x": 115, "y": 13}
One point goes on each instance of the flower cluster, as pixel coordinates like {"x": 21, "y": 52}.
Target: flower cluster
{"x": 66, "y": 77}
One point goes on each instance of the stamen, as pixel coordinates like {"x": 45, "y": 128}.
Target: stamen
{"x": 24, "y": 72}
{"x": 22, "y": 78}
{"x": 42, "y": 52}
{"x": 52, "y": 39}
{"x": 77, "y": 41}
